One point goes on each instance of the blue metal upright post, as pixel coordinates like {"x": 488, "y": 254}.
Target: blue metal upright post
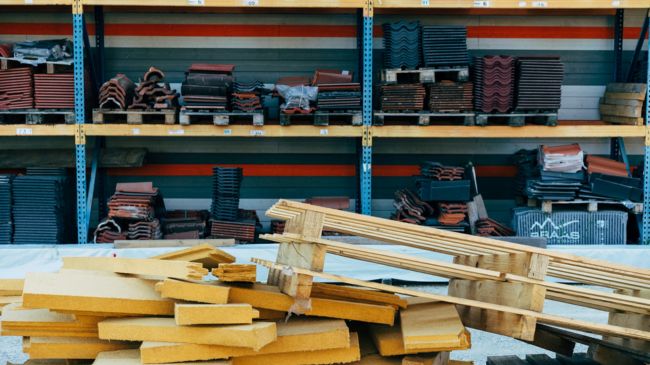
{"x": 366, "y": 143}
{"x": 80, "y": 136}
{"x": 645, "y": 238}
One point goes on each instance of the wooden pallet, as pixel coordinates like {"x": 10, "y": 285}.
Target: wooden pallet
{"x": 322, "y": 118}
{"x": 518, "y": 119}
{"x": 37, "y": 116}
{"x": 425, "y": 75}
{"x": 103, "y": 116}
{"x": 188, "y": 117}
{"x": 589, "y": 205}
{"x": 50, "y": 66}
{"x": 425, "y": 118}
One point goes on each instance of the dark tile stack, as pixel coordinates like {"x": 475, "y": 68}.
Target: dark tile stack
{"x": 402, "y": 97}
{"x": 402, "y": 46}
{"x": 116, "y": 93}
{"x": 246, "y": 97}
{"x": 442, "y": 183}
{"x": 207, "y": 87}
{"x": 539, "y": 83}
{"x": 444, "y": 45}
{"x": 557, "y": 173}
{"x": 185, "y": 224}
{"x": 409, "y": 208}
{"x": 5, "y": 209}
{"x": 154, "y": 93}
{"x": 494, "y": 85}
{"x": 450, "y": 96}
{"x": 54, "y": 91}
{"x": 16, "y": 88}
{"x": 226, "y": 184}
{"x": 42, "y": 208}
{"x": 345, "y": 96}
{"x": 135, "y": 202}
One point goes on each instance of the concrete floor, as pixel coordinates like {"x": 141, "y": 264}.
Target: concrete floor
{"x": 483, "y": 344}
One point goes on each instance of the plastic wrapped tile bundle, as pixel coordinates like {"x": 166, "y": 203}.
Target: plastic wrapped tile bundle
{"x": 566, "y": 158}
{"x": 402, "y": 46}
{"x": 450, "y": 96}
{"x": 297, "y": 99}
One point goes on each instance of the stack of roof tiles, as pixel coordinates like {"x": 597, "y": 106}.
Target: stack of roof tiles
{"x": 226, "y": 184}
{"x": 109, "y": 231}
{"x": 402, "y": 97}
{"x": 559, "y": 172}
{"x": 609, "y": 179}
{"x": 402, "y": 46}
{"x": 409, "y": 208}
{"x": 145, "y": 230}
{"x": 444, "y": 45}
{"x": 243, "y": 229}
{"x": 441, "y": 183}
{"x": 451, "y": 214}
{"x": 5, "y": 209}
{"x": 153, "y": 93}
{"x": 116, "y": 93}
{"x": 490, "y": 227}
{"x": 41, "y": 207}
{"x": 207, "y": 87}
{"x": 539, "y": 84}
{"x": 54, "y": 91}
{"x": 605, "y": 166}
{"x": 246, "y": 96}
{"x": 494, "y": 86}
{"x": 336, "y": 91}
{"x": 450, "y": 96}
{"x": 16, "y": 88}
{"x": 437, "y": 171}
{"x": 185, "y": 224}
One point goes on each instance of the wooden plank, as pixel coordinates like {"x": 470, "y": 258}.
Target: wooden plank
{"x": 216, "y": 242}
{"x": 236, "y": 273}
{"x": 163, "y": 329}
{"x": 431, "y": 325}
{"x": 631, "y": 320}
{"x": 71, "y": 348}
{"x": 132, "y": 357}
{"x": 145, "y": 267}
{"x": 193, "y": 292}
{"x": 549, "y": 319}
{"x": 329, "y": 291}
{"x": 205, "y": 254}
{"x": 296, "y": 335}
{"x": 329, "y": 356}
{"x": 389, "y": 342}
{"x": 92, "y": 292}
{"x": 192, "y": 314}
{"x": 17, "y": 321}
{"x": 523, "y": 264}
{"x": 11, "y": 287}
{"x": 270, "y": 297}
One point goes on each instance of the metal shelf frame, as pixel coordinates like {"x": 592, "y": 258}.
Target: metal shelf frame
{"x": 365, "y": 133}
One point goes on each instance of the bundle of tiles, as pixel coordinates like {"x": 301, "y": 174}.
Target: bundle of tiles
{"x": 409, "y": 208}
{"x": 452, "y": 214}
{"x": 247, "y": 97}
{"x": 437, "y": 171}
{"x": 489, "y": 227}
{"x": 226, "y": 185}
{"x": 566, "y": 158}
{"x": 42, "y": 207}
{"x": 609, "y": 180}
{"x": 336, "y": 91}
{"x": 402, "y": 46}
{"x": 116, "y": 93}
{"x": 16, "y": 88}
{"x": 402, "y": 97}
{"x": 450, "y": 96}
{"x": 559, "y": 174}
{"x": 135, "y": 201}
{"x": 444, "y": 45}
{"x": 54, "y": 91}
{"x": 207, "y": 87}
{"x": 154, "y": 93}
{"x": 108, "y": 231}
{"x": 539, "y": 84}
{"x": 185, "y": 224}
{"x": 145, "y": 230}
{"x": 441, "y": 183}
{"x": 243, "y": 230}
{"x": 5, "y": 209}
{"x": 494, "y": 83}
{"x": 527, "y": 169}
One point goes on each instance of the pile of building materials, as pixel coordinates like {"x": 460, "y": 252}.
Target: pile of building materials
{"x": 152, "y": 93}
{"x": 208, "y": 87}
{"x": 336, "y": 91}
{"x": 117, "y": 93}
{"x": 623, "y": 103}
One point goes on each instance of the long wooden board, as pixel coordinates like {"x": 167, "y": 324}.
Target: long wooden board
{"x": 193, "y": 292}
{"x": 42, "y": 322}
{"x": 341, "y": 292}
{"x": 90, "y": 292}
{"x": 296, "y": 335}
{"x": 216, "y": 242}
{"x": 431, "y": 325}
{"x": 71, "y": 348}
{"x": 163, "y": 329}
{"x": 193, "y": 314}
{"x": 205, "y": 254}
{"x": 540, "y": 317}
{"x": 389, "y": 342}
{"x": 145, "y": 267}
{"x": 132, "y": 357}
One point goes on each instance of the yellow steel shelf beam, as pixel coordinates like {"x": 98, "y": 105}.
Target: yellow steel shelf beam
{"x": 31, "y": 130}
{"x": 35, "y": 2}
{"x": 529, "y": 131}
{"x": 161, "y": 130}
{"x": 512, "y": 4}
{"x": 234, "y": 3}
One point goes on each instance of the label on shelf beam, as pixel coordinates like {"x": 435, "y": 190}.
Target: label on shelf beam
{"x": 29, "y": 2}
{"x": 135, "y": 131}
{"x": 481, "y": 4}
{"x": 24, "y": 131}
{"x": 324, "y": 132}
{"x": 616, "y": 3}
{"x": 256, "y": 132}
{"x": 227, "y": 132}
{"x": 196, "y": 2}
{"x": 176, "y": 132}
{"x": 425, "y": 3}
{"x": 251, "y": 2}
{"x": 540, "y": 4}
{"x": 522, "y": 4}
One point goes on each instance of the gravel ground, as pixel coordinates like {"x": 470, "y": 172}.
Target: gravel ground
{"x": 483, "y": 344}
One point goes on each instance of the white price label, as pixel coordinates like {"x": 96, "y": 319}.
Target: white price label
{"x": 540, "y": 4}
{"x": 135, "y": 131}
{"x": 29, "y": 2}
{"x": 227, "y": 132}
{"x": 324, "y": 132}
{"x": 196, "y": 2}
{"x": 24, "y": 131}
{"x": 616, "y": 3}
{"x": 523, "y": 4}
{"x": 251, "y": 2}
{"x": 425, "y": 3}
{"x": 256, "y": 132}
{"x": 481, "y": 4}
{"x": 176, "y": 132}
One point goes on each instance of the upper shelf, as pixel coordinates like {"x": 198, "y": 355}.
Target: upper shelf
{"x": 512, "y": 4}
{"x": 234, "y": 3}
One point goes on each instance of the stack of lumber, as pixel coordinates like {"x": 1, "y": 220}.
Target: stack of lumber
{"x": 496, "y": 286}
{"x": 623, "y": 103}
{"x": 10, "y": 291}
{"x": 167, "y": 309}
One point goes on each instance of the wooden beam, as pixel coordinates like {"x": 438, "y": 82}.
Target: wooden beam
{"x": 341, "y": 292}
{"x": 431, "y": 325}
{"x": 145, "y": 267}
{"x": 630, "y": 320}
{"x": 163, "y": 329}
{"x": 94, "y": 292}
{"x": 531, "y": 265}
{"x": 205, "y": 254}
{"x": 71, "y": 348}
{"x": 193, "y": 292}
{"x": 193, "y": 314}
{"x": 11, "y": 287}
{"x": 296, "y": 335}
{"x": 236, "y": 273}
{"x": 389, "y": 341}
{"x": 540, "y": 317}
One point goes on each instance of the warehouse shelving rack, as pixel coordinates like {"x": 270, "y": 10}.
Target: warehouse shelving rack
{"x": 366, "y": 133}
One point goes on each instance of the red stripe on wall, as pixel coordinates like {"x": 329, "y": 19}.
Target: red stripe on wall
{"x": 297, "y": 31}
{"x": 294, "y": 170}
